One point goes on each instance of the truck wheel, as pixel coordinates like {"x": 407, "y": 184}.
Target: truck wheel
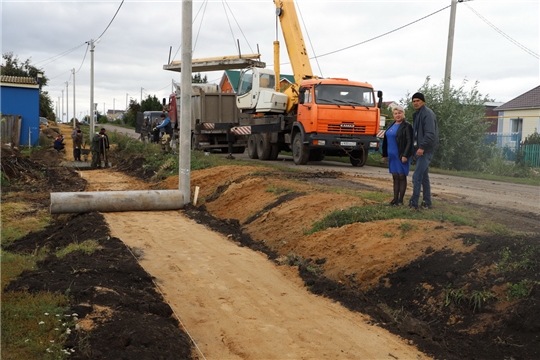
{"x": 358, "y": 158}
{"x": 194, "y": 142}
{"x": 300, "y": 151}
{"x": 252, "y": 146}
{"x": 275, "y": 152}
{"x": 264, "y": 147}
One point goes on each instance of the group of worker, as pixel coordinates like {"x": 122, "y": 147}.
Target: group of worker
{"x": 159, "y": 131}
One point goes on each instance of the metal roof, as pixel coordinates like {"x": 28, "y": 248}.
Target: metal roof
{"x": 528, "y": 100}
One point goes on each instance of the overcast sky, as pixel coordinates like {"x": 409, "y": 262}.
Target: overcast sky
{"x": 496, "y": 43}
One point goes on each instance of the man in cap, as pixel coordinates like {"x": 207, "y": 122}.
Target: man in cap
{"x": 425, "y": 140}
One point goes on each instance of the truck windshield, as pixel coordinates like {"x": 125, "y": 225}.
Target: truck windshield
{"x": 344, "y": 95}
{"x": 246, "y": 82}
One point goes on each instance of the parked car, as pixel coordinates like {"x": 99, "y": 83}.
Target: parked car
{"x": 43, "y": 121}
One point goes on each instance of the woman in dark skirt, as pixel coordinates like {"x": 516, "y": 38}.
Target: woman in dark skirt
{"x": 397, "y": 151}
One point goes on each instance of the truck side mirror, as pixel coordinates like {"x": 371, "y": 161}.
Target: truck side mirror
{"x": 301, "y": 95}
{"x": 380, "y": 96}
{"x": 164, "y": 101}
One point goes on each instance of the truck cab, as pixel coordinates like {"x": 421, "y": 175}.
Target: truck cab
{"x": 256, "y": 92}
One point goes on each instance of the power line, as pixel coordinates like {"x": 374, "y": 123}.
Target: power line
{"x": 530, "y": 52}
{"x": 386, "y": 33}
{"x": 56, "y": 57}
{"x": 111, "y": 21}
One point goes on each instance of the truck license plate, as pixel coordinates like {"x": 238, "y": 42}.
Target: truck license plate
{"x": 347, "y": 143}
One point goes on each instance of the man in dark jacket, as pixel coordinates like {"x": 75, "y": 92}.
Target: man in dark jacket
{"x": 105, "y": 147}
{"x": 426, "y": 140}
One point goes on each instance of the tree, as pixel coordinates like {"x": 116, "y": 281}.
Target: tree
{"x": 462, "y": 126}
{"x": 130, "y": 116}
{"x": 151, "y": 103}
{"x": 197, "y": 79}
{"x": 12, "y": 66}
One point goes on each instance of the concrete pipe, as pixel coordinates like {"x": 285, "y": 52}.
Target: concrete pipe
{"x": 115, "y": 201}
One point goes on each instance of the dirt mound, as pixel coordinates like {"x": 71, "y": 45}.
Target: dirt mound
{"x": 450, "y": 289}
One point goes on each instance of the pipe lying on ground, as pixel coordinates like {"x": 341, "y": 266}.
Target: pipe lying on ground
{"x": 115, "y": 201}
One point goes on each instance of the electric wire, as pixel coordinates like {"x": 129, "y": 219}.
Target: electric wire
{"x": 200, "y": 26}
{"x": 386, "y": 33}
{"x": 239, "y": 27}
{"x": 230, "y": 27}
{"x": 116, "y": 13}
{"x": 56, "y": 57}
{"x": 309, "y": 40}
{"x": 193, "y": 22}
{"x": 522, "y": 47}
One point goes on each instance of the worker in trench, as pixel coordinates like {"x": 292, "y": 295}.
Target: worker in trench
{"x": 166, "y": 138}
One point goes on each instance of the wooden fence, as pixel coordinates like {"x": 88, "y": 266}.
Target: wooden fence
{"x": 10, "y": 129}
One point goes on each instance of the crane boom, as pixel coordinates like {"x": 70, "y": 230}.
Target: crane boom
{"x": 292, "y": 33}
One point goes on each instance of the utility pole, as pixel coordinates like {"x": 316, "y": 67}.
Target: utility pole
{"x": 67, "y": 102}
{"x": 74, "y": 111}
{"x": 62, "y": 115}
{"x": 127, "y": 101}
{"x": 141, "y": 96}
{"x": 92, "y": 106}
{"x": 184, "y": 160}
{"x": 450, "y": 47}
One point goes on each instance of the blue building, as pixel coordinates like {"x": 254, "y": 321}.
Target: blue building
{"x": 19, "y": 96}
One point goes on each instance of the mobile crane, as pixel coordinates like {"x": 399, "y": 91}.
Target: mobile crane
{"x": 315, "y": 117}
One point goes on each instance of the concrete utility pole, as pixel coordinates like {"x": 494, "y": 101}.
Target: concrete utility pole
{"x": 67, "y": 102}
{"x": 450, "y": 46}
{"x": 141, "y": 96}
{"x": 127, "y": 101}
{"x": 184, "y": 161}
{"x": 62, "y": 115}
{"x": 92, "y": 106}
{"x": 74, "y": 111}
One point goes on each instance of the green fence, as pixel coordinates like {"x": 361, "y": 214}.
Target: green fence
{"x": 531, "y": 154}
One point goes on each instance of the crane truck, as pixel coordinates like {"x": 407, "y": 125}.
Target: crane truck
{"x": 315, "y": 117}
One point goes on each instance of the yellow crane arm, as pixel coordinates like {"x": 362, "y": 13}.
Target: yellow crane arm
{"x": 292, "y": 34}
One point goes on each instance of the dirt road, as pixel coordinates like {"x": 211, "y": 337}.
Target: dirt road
{"x": 234, "y": 302}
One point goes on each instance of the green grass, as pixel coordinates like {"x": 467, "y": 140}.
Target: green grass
{"x": 277, "y": 189}
{"x": 526, "y": 258}
{"x": 337, "y": 218}
{"x": 476, "y": 299}
{"x": 519, "y": 290}
{"x": 87, "y": 247}
{"x": 15, "y": 224}
{"x": 34, "y": 325}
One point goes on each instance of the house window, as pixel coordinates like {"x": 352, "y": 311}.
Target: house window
{"x": 516, "y": 125}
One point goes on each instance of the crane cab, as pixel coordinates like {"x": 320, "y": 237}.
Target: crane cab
{"x": 256, "y": 92}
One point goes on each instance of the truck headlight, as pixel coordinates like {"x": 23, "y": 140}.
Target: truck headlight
{"x": 374, "y": 144}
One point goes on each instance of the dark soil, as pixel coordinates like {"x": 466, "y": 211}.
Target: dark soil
{"x": 420, "y": 301}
